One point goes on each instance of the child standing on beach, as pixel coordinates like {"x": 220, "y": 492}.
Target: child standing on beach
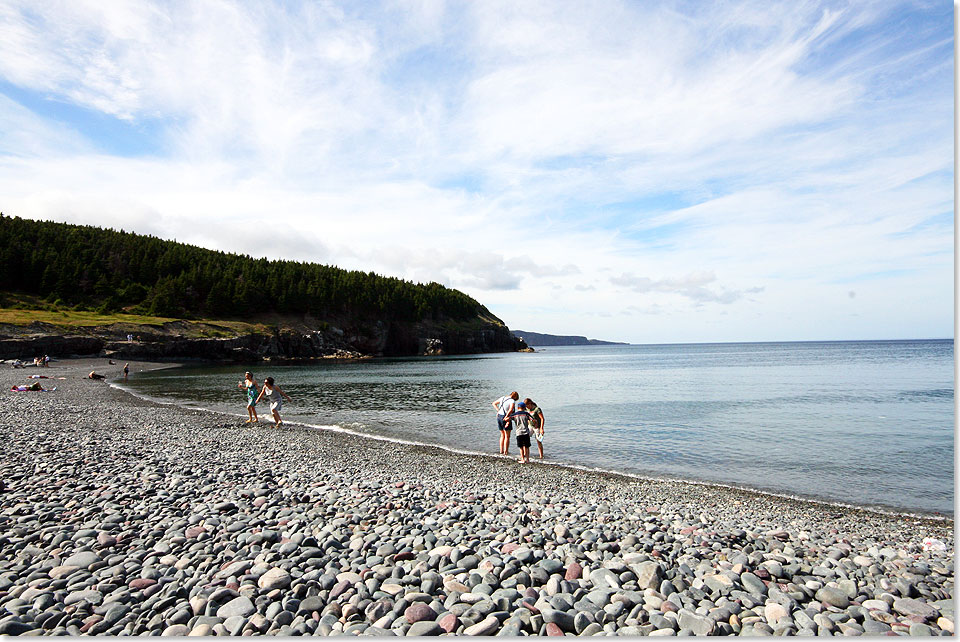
{"x": 274, "y": 394}
{"x": 537, "y": 421}
{"x": 249, "y": 384}
{"x": 522, "y": 417}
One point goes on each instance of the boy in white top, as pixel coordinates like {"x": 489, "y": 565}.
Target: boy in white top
{"x": 505, "y": 407}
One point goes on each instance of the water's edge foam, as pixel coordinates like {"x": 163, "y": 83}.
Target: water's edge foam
{"x": 627, "y": 475}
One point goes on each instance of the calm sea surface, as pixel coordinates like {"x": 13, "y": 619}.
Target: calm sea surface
{"x": 866, "y": 423}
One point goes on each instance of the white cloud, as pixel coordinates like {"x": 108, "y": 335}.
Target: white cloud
{"x": 570, "y": 167}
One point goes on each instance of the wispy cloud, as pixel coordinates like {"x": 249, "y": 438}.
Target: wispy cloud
{"x": 674, "y": 162}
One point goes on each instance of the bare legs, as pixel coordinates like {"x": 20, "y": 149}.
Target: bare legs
{"x": 504, "y": 442}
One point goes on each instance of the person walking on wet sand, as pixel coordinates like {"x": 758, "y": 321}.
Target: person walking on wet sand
{"x": 505, "y": 405}
{"x": 273, "y": 393}
{"x": 249, "y": 385}
{"x": 126, "y": 371}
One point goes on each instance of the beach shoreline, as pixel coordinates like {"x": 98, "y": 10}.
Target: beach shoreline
{"x": 371, "y": 515}
{"x": 620, "y": 476}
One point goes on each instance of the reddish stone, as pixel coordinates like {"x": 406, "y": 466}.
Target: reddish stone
{"x": 574, "y": 572}
{"x": 449, "y": 622}
{"x": 400, "y": 557}
{"x": 141, "y": 583}
{"x": 687, "y": 530}
{"x": 418, "y": 612}
{"x": 553, "y": 630}
{"x": 669, "y": 606}
{"x": 194, "y": 531}
{"x": 259, "y": 501}
{"x": 509, "y": 547}
{"x": 106, "y": 540}
{"x": 90, "y": 622}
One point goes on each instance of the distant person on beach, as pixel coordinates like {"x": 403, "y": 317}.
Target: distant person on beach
{"x": 537, "y": 422}
{"x": 522, "y": 417}
{"x": 126, "y": 371}
{"x": 274, "y": 394}
{"x": 249, "y": 384}
{"x": 505, "y": 405}
{"x": 94, "y": 375}
{"x": 32, "y": 387}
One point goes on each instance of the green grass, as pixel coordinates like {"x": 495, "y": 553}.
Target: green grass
{"x": 76, "y": 319}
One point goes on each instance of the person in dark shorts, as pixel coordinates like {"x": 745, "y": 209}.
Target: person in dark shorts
{"x": 537, "y": 422}
{"x": 505, "y": 406}
{"x": 522, "y": 417}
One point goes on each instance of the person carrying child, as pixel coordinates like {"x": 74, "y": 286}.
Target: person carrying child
{"x": 522, "y": 417}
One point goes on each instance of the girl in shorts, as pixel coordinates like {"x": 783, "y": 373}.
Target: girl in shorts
{"x": 274, "y": 394}
{"x": 249, "y": 385}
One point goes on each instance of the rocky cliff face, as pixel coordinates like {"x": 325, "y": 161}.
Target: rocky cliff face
{"x": 374, "y": 338}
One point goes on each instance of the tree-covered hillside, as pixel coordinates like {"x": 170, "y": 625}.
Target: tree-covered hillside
{"x": 110, "y": 271}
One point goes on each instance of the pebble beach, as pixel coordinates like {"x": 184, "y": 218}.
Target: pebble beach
{"x": 120, "y": 516}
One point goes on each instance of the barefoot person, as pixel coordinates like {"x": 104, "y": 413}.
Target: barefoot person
{"x": 505, "y": 405}
{"x": 274, "y": 394}
{"x": 537, "y": 422}
{"x": 522, "y": 417}
{"x": 249, "y": 385}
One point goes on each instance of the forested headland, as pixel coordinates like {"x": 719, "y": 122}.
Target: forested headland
{"x": 90, "y": 268}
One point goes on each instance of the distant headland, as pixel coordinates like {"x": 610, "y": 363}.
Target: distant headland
{"x": 540, "y": 339}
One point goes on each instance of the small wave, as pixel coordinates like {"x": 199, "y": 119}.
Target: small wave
{"x": 936, "y": 393}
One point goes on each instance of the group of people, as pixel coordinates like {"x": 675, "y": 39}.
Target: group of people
{"x": 39, "y": 362}
{"x": 528, "y": 418}
{"x": 274, "y": 394}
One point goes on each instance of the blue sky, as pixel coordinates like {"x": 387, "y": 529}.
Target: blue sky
{"x": 644, "y": 172}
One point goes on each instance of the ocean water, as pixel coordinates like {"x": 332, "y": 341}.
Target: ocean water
{"x": 865, "y": 423}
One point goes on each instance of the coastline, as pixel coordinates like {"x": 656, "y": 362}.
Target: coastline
{"x": 371, "y": 508}
{"x": 615, "y": 476}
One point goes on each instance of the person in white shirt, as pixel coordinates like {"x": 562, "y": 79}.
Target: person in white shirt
{"x": 273, "y": 393}
{"x": 505, "y": 406}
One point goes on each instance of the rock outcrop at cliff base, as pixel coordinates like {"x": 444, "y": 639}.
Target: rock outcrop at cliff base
{"x": 366, "y": 340}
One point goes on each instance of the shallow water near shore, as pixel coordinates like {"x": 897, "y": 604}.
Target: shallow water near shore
{"x": 861, "y": 423}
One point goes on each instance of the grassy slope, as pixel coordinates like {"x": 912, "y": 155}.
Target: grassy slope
{"x": 19, "y": 321}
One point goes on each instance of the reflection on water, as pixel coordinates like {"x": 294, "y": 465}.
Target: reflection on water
{"x": 859, "y": 422}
